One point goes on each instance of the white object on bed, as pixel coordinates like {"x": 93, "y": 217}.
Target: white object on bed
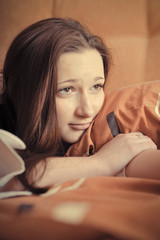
{"x": 14, "y": 194}
{"x": 11, "y": 164}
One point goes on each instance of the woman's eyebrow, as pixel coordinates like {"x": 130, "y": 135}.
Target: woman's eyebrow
{"x": 76, "y": 80}
{"x": 68, "y": 80}
{"x": 99, "y": 78}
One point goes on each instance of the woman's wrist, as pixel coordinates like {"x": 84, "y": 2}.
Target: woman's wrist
{"x": 102, "y": 165}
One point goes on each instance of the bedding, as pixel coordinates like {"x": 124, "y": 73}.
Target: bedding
{"x": 94, "y": 208}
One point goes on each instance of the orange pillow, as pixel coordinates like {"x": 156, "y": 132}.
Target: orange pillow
{"x": 128, "y": 109}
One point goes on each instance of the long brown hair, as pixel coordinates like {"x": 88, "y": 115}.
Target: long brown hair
{"x": 30, "y": 84}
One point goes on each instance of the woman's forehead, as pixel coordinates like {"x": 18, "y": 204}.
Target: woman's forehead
{"x": 77, "y": 64}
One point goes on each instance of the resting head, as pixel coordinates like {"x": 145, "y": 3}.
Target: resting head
{"x": 31, "y": 78}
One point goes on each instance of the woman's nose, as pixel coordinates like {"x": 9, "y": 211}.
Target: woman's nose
{"x": 84, "y": 107}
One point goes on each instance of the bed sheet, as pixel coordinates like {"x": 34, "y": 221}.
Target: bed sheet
{"x": 94, "y": 208}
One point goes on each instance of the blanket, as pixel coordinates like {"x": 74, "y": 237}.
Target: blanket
{"x": 94, "y": 208}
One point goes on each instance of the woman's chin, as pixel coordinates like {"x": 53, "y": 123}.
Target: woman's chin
{"x": 73, "y": 138}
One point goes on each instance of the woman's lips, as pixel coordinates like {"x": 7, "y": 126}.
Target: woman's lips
{"x": 79, "y": 126}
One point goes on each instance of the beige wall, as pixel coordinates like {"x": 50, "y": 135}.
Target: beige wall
{"x": 130, "y": 28}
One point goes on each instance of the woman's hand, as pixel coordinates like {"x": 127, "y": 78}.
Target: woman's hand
{"x": 117, "y": 153}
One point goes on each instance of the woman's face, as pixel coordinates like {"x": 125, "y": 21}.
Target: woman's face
{"x": 79, "y": 92}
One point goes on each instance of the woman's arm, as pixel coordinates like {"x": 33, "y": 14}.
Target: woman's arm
{"x": 108, "y": 161}
{"x": 145, "y": 165}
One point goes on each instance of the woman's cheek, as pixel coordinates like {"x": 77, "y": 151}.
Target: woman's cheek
{"x": 99, "y": 102}
{"x": 64, "y": 108}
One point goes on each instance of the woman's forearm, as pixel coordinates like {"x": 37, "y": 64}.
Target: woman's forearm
{"x": 61, "y": 169}
{"x": 145, "y": 165}
{"x": 107, "y": 161}
{"x": 58, "y": 170}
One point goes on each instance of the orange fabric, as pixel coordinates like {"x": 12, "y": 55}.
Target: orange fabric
{"x": 118, "y": 208}
{"x": 135, "y": 110}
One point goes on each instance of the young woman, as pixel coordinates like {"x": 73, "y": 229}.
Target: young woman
{"x": 53, "y": 87}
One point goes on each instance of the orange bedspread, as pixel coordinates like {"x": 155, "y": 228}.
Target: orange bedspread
{"x": 95, "y": 208}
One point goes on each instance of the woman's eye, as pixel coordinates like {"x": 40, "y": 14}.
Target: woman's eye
{"x": 98, "y": 87}
{"x": 65, "y": 91}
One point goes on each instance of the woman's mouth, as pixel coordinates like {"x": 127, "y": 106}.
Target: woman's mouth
{"x": 79, "y": 126}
